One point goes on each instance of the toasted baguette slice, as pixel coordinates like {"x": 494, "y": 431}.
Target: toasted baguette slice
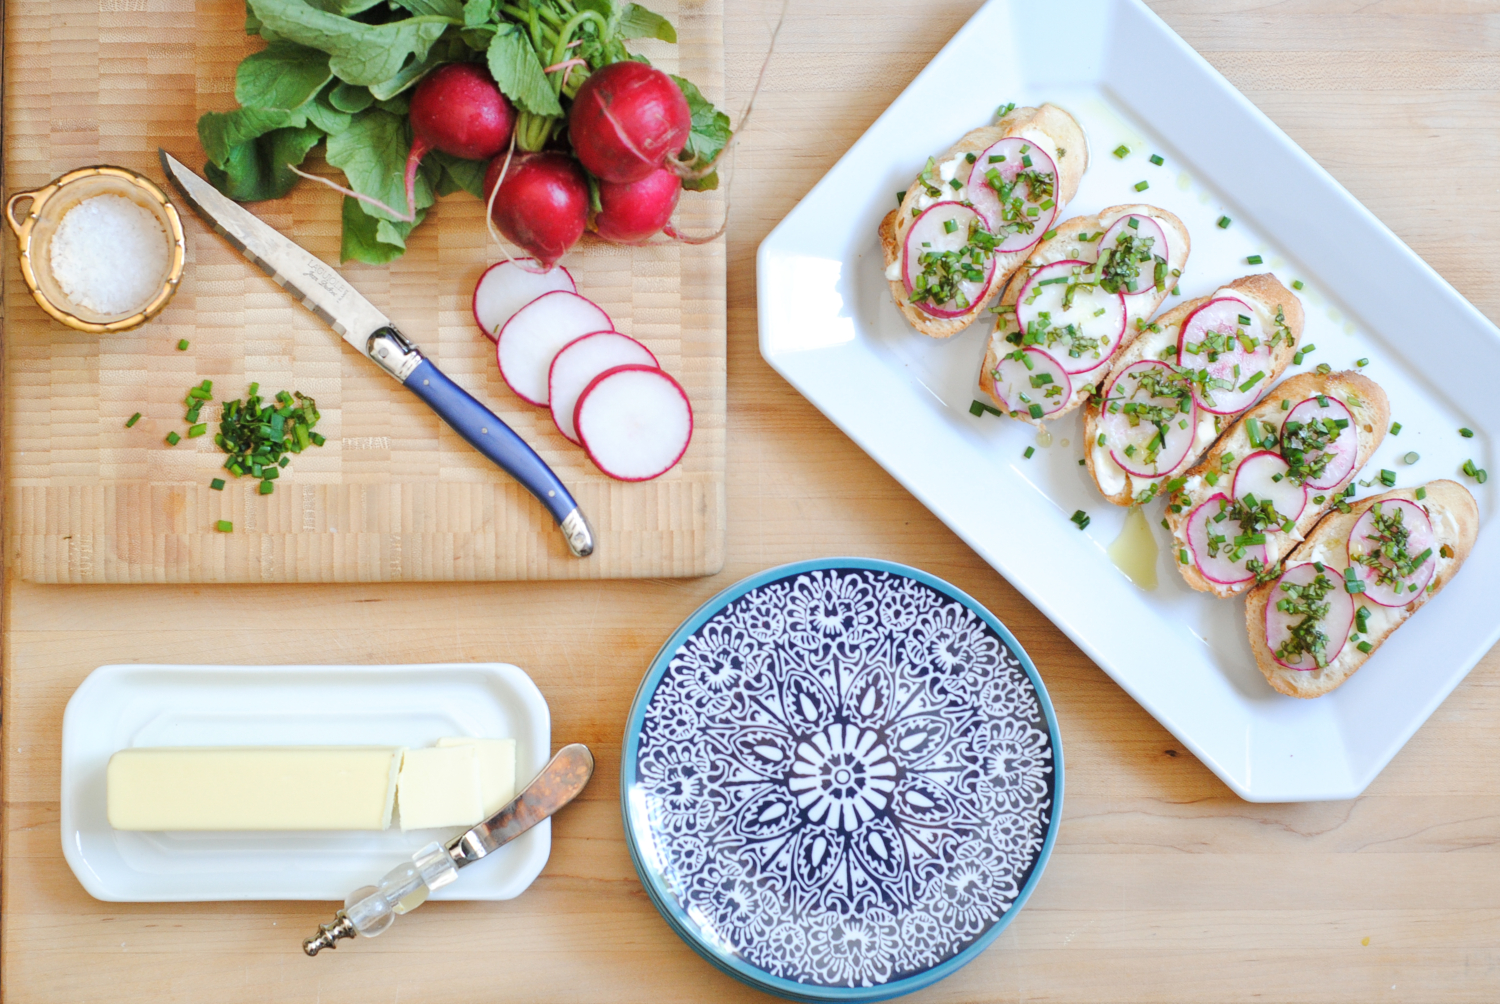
{"x": 1267, "y": 296}
{"x": 1068, "y": 243}
{"x": 1372, "y": 416}
{"x": 1455, "y": 524}
{"x": 1050, "y": 128}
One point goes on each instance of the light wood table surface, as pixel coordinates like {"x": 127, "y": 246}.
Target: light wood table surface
{"x": 1164, "y": 885}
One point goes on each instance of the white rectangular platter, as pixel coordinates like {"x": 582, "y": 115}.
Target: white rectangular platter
{"x": 145, "y": 705}
{"x": 828, "y": 325}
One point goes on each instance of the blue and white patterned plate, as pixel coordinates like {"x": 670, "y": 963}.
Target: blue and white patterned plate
{"x": 841, "y": 779}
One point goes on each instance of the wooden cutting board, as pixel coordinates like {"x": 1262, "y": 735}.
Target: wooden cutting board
{"x": 395, "y": 495}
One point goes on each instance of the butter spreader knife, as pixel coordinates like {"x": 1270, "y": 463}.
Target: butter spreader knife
{"x": 371, "y": 909}
{"x": 371, "y": 333}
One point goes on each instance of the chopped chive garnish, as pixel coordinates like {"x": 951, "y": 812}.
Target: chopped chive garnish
{"x": 969, "y": 158}
{"x": 1323, "y": 368}
{"x": 1025, "y": 160}
{"x": 224, "y": 526}
{"x": 132, "y": 420}
{"x": 1395, "y": 428}
{"x": 1224, "y": 222}
{"x": 182, "y": 344}
{"x": 173, "y": 439}
{"x": 949, "y": 226}
{"x": 1133, "y": 222}
{"x": 900, "y": 197}
{"x": 217, "y": 484}
{"x": 1049, "y": 234}
{"x": 1412, "y": 457}
{"x": 1182, "y": 555}
{"x": 1421, "y": 494}
{"x": 1081, "y": 518}
{"x": 1466, "y": 433}
{"x": 1254, "y": 259}
{"x": 1388, "y": 477}
{"x": 1297, "y": 283}
{"x": 1365, "y": 647}
{"x": 1176, "y": 290}
{"x": 197, "y": 430}
{"x": 1122, "y": 151}
{"x": 1362, "y": 362}
{"x": 1005, "y": 110}
{"x": 1035, "y": 411}
{"x": 1029, "y": 451}
{"x": 1255, "y": 379}
{"x": 1243, "y": 319}
{"x": 1297, "y": 359}
{"x": 267, "y": 487}
{"x": 1156, "y": 159}
{"x": 1141, "y": 186}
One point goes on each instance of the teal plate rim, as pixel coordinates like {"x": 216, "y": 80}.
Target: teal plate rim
{"x": 677, "y": 920}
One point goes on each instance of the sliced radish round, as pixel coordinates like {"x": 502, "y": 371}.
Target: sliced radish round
{"x": 537, "y": 332}
{"x": 1030, "y": 377}
{"x": 1080, "y": 336}
{"x": 944, "y": 227}
{"x": 1161, "y": 433}
{"x": 508, "y": 286}
{"x": 1212, "y": 542}
{"x": 1408, "y": 531}
{"x": 1212, "y": 332}
{"x": 1007, "y": 159}
{"x": 1342, "y": 451}
{"x": 1144, "y": 229}
{"x": 634, "y": 421}
{"x": 1333, "y": 625}
{"x": 1257, "y": 475}
{"x": 582, "y": 359}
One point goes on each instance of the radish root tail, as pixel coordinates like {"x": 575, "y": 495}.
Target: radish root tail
{"x": 489, "y": 210}
{"x": 407, "y": 217}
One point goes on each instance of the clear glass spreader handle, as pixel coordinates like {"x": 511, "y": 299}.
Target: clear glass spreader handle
{"x": 371, "y": 909}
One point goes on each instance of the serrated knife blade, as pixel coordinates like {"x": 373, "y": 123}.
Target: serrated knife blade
{"x": 367, "y": 329}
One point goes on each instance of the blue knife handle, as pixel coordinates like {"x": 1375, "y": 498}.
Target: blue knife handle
{"x": 498, "y": 441}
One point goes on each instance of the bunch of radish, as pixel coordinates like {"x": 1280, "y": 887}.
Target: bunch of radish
{"x": 559, "y": 350}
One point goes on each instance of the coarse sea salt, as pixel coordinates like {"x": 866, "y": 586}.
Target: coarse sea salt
{"x": 109, "y": 255}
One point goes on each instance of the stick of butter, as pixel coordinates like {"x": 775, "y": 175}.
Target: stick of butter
{"x": 497, "y": 770}
{"x": 252, "y": 787}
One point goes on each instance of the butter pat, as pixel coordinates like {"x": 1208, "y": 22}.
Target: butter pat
{"x": 439, "y": 786}
{"x": 252, "y": 787}
{"x": 497, "y": 770}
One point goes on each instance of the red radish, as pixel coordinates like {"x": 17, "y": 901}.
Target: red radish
{"x": 1044, "y": 292}
{"x": 1211, "y": 543}
{"x": 543, "y": 202}
{"x": 1334, "y": 626}
{"x": 509, "y": 285}
{"x": 1256, "y": 475}
{"x": 1366, "y": 538}
{"x": 1007, "y": 159}
{"x": 1138, "y": 384}
{"x": 1030, "y": 377}
{"x": 634, "y": 421}
{"x": 626, "y": 121}
{"x": 1144, "y": 229}
{"x": 457, "y": 110}
{"x": 582, "y": 359}
{"x": 1344, "y": 447}
{"x": 1209, "y": 340}
{"x": 632, "y": 212}
{"x": 536, "y": 333}
{"x": 931, "y": 233}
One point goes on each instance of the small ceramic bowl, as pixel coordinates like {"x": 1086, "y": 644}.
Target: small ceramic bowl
{"x": 48, "y": 206}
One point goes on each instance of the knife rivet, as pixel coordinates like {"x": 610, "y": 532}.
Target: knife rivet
{"x": 484, "y": 430}
{"x": 551, "y": 494}
{"x": 426, "y": 383}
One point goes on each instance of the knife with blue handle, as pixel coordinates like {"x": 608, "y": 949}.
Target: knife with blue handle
{"x": 324, "y": 292}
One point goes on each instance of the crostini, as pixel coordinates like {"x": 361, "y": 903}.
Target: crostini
{"x": 1188, "y": 376}
{"x": 971, "y": 217}
{"x": 1082, "y": 296}
{"x": 1357, "y": 577}
{"x": 1271, "y": 477}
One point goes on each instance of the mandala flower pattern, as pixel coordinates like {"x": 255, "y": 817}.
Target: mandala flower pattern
{"x": 849, "y": 775}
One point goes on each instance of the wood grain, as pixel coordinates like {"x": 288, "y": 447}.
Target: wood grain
{"x": 1163, "y": 887}
{"x": 395, "y": 495}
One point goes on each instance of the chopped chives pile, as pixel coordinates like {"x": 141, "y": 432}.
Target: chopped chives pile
{"x": 258, "y": 435}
